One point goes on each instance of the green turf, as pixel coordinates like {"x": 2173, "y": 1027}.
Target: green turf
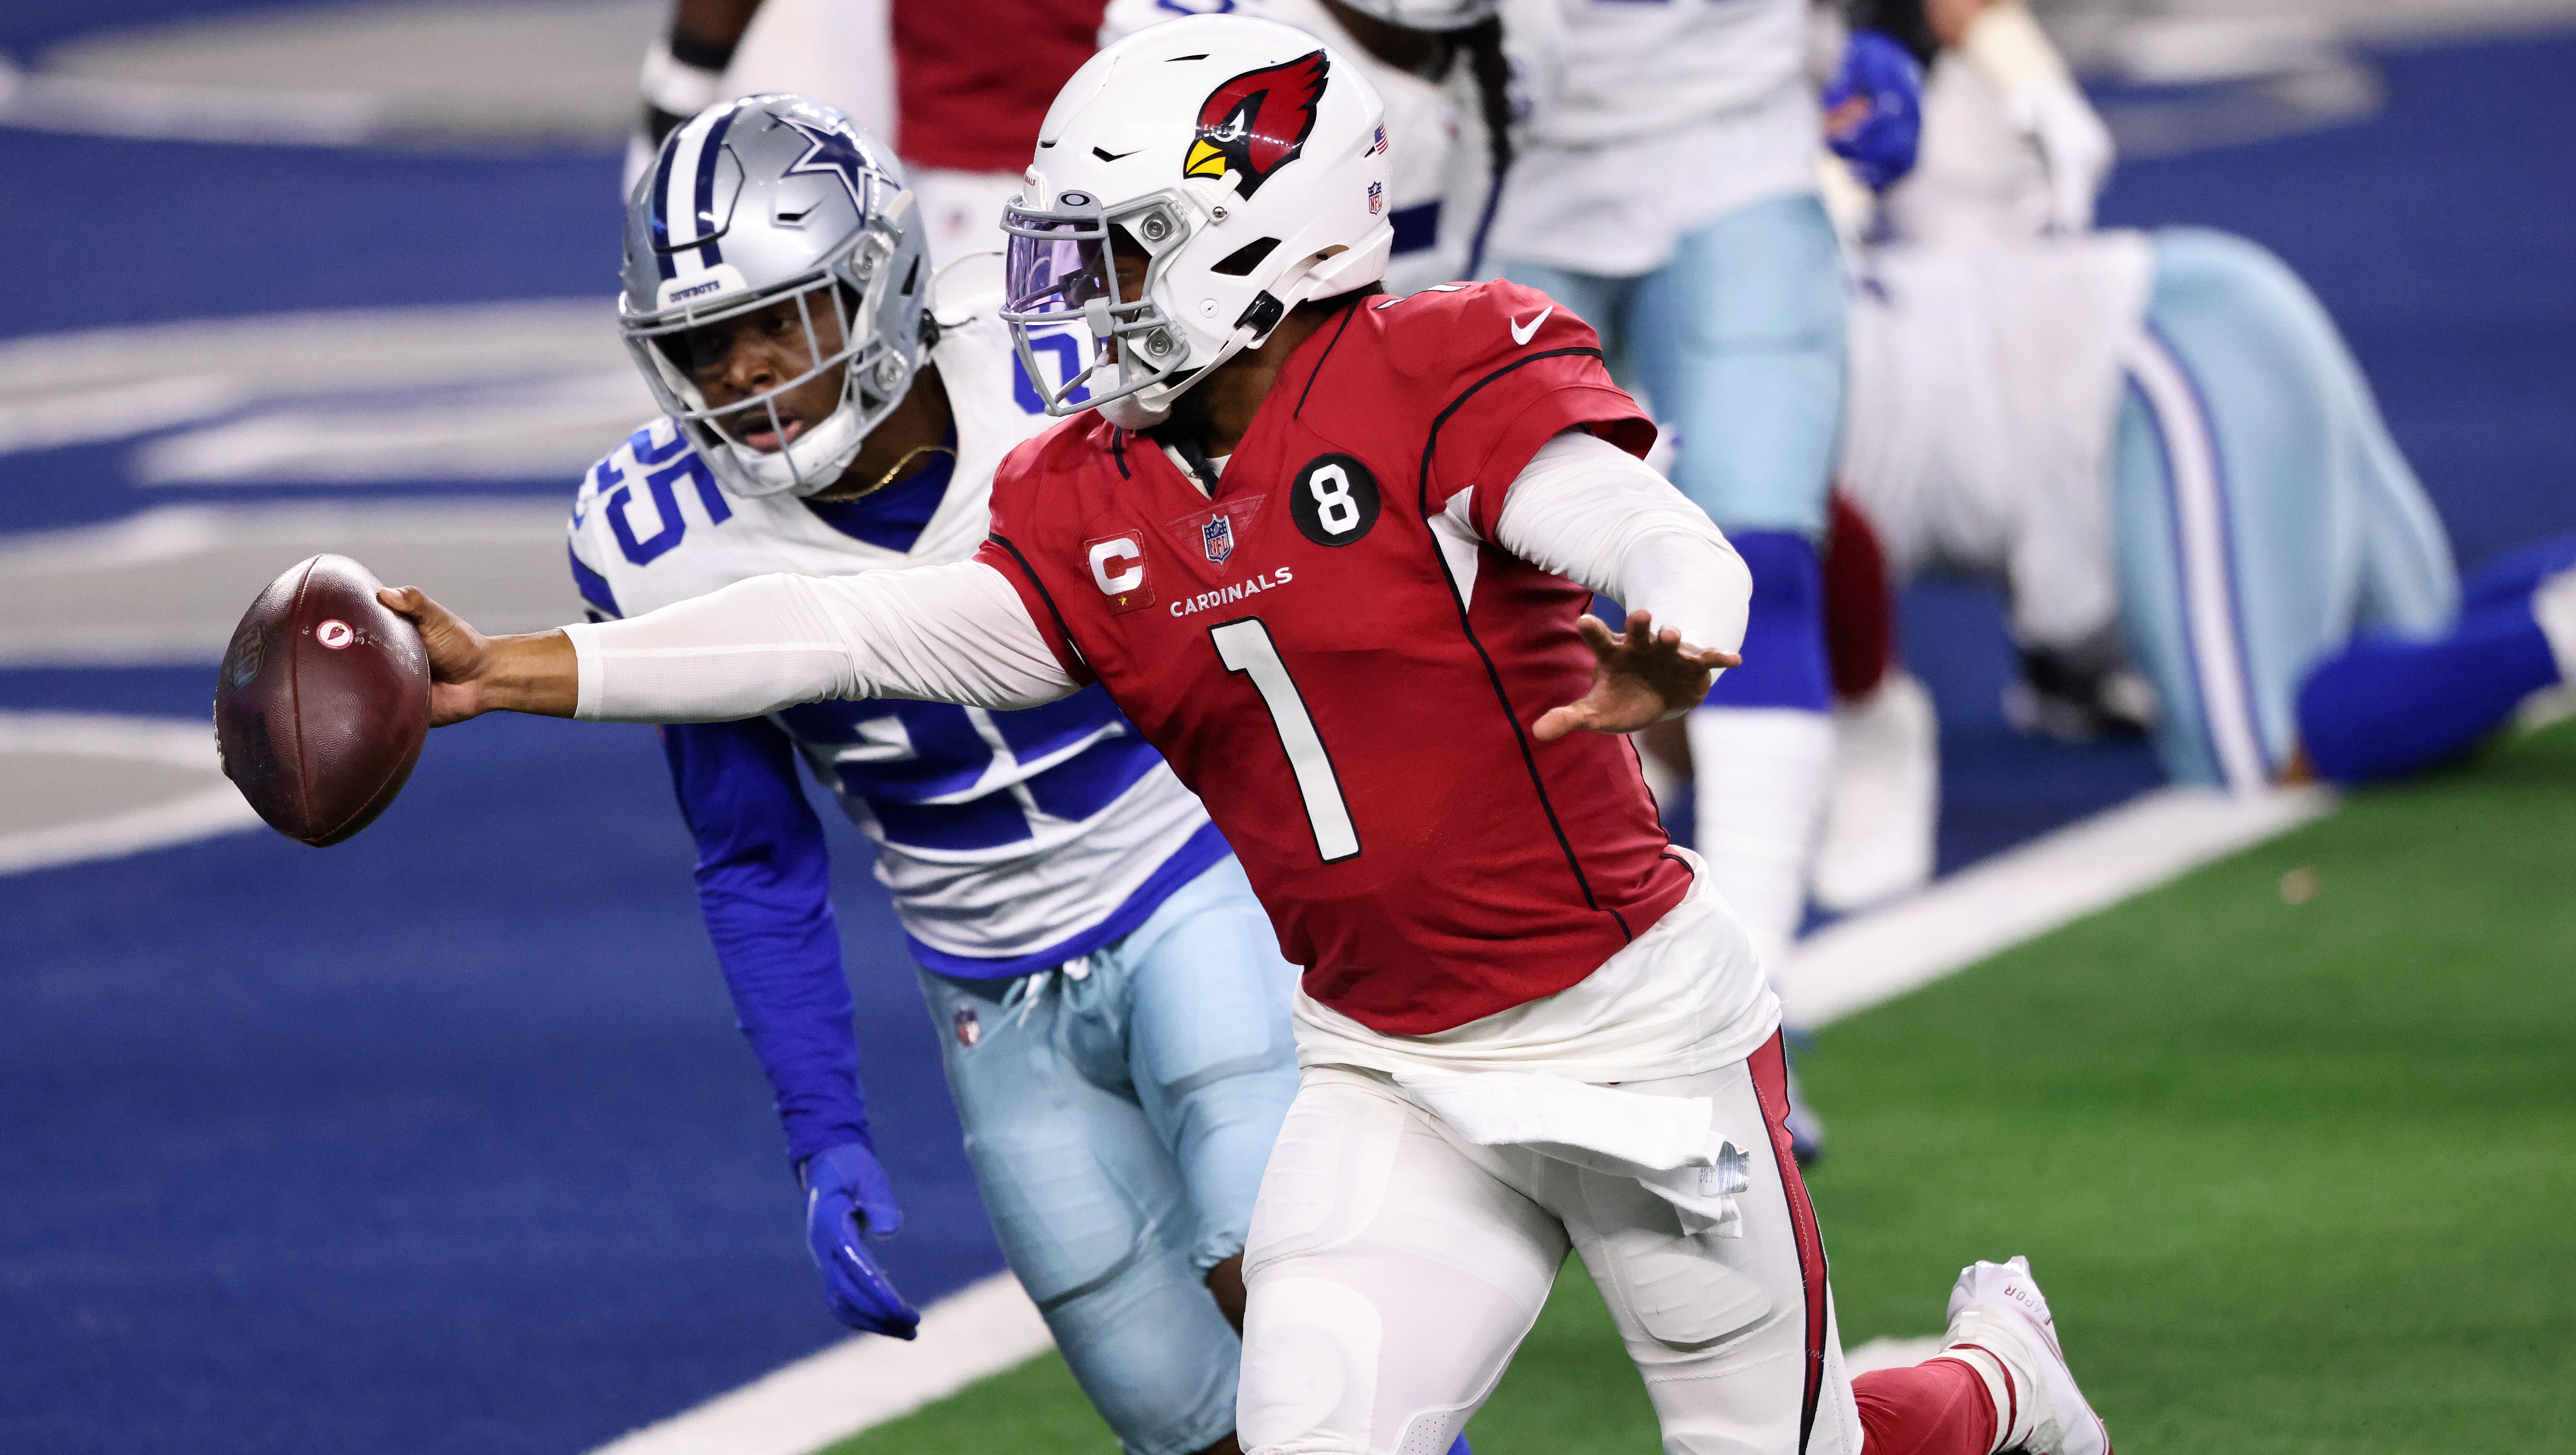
{"x": 2297, "y": 1177}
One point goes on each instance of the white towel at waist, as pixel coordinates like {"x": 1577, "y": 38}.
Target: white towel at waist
{"x": 1665, "y": 1143}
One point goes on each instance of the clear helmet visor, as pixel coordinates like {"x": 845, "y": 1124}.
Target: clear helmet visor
{"x": 1056, "y": 265}
{"x": 1060, "y": 268}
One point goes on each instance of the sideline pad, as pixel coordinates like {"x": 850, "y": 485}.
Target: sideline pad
{"x": 860, "y": 1385}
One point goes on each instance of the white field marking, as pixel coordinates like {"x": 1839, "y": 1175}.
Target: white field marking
{"x": 437, "y": 73}
{"x": 197, "y": 813}
{"x": 182, "y": 111}
{"x": 2548, "y": 706}
{"x": 191, "y": 607}
{"x": 535, "y": 429}
{"x": 1870, "y": 958}
{"x": 987, "y": 1327}
{"x": 94, "y": 385}
{"x": 2025, "y": 892}
{"x": 171, "y": 532}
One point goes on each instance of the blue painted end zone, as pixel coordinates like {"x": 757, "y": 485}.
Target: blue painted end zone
{"x": 441, "y": 1140}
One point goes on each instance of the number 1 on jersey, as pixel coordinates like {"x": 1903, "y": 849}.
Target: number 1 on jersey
{"x": 1245, "y": 646}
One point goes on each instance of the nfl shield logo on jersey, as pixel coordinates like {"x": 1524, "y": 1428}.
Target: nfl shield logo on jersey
{"x": 1216, "y": 537}
{"x": 969, "y": 1028}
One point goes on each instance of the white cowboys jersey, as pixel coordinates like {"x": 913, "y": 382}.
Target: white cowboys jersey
{"x": 1653, "y": 119}
{"x": 1002, "y": 834}
{"x": 1634, "y": 70}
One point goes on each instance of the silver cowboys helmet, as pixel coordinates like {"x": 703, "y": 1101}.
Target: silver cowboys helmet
{"x": 760, "y": 201}
{"x": 1243, "y": 159}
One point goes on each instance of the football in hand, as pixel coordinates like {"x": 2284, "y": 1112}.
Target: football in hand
{"x": 322, "y": 702}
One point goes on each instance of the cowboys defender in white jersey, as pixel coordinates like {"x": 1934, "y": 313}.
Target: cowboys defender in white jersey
{"x": 1109, "y": 996}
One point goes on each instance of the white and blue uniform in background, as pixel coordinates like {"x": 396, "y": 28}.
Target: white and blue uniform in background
{"x": 1666, "y": 190}
{"x": 2161, "y": 434}
{"x": 1110, "y": 999}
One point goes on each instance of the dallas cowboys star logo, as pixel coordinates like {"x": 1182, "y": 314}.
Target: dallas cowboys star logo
{"x": 830, "y": 152}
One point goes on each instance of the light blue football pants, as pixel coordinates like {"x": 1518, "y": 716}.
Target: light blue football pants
{"x": 1738, "y": 343}
{"x": 1118, "y": 1114}
{"x": 2261, "y": 514}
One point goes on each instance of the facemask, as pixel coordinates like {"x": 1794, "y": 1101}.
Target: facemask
{"x": 811, "y": 462}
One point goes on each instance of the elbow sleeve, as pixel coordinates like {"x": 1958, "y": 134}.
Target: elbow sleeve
{"x": 1589, "y": 511}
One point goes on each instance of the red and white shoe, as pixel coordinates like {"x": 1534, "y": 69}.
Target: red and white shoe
{"x": 1997, "y": 1310}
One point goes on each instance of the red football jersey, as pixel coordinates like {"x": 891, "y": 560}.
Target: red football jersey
{"x": 1350, "y": 698}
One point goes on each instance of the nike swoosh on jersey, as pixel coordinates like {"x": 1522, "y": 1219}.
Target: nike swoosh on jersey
{"x": 1521, "y": 335}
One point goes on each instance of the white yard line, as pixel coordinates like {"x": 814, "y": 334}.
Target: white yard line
{"x": 1863, "y": 961}
{"x": 988, "y": 1327}
{"x": 184, "y": 816}
{"x": 2025, "y": 892}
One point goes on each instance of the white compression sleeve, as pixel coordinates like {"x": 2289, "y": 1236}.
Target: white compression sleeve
{"x": 955, "y": 633}
{"x": 1586, "y": 509}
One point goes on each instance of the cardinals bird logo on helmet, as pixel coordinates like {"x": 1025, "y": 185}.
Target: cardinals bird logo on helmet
{"x": 1258, "y": 122}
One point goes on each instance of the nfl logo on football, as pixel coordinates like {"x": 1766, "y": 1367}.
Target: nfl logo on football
{"x": 1217, "y": 539}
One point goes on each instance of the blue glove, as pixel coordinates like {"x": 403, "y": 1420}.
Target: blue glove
{"x": 1874, "y": 109}
{"x": 846, "y": 1193}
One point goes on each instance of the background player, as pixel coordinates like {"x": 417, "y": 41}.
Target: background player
{"x": 2168, "y": 450}
{"x": 1489, "y": 896}
{"x": 2393, "y": 703}
{"x": 959, "y": 87}
{"x": 1667, "y": 194}
{"x": 1110, "y": 1003}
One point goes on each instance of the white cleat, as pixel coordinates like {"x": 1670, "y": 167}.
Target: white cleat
{"x": 1998, "y": 1308}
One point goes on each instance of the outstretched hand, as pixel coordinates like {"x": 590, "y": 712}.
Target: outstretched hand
{"x": 1639, "y": 677}
{"x": 458, "y": 654}
{"x": 471, "y": 674}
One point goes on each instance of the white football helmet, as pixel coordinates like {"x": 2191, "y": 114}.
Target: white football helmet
{"x": 1245, "y": 159}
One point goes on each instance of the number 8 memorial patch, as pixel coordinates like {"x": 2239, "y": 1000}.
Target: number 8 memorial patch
{"x": 1334, "y": 500}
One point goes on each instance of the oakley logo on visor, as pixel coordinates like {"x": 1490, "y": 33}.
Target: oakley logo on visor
{"x": 1258, "y": 122}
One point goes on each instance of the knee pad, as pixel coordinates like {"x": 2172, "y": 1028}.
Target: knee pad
{"x": 1784, "y": 636}
{"x": 1310, "y": 1357}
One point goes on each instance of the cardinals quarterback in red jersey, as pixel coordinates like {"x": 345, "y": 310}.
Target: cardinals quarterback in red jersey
{"x": 1330, "y": 550}
{"x": 1321, "y": 644}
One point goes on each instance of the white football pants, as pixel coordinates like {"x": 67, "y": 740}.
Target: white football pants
{"x": 1394, "y": 1267}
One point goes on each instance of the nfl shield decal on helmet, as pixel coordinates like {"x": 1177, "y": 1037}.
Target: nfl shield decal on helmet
{"x": 969, "y": 1029}
{"x": 1217, "y": 539}
{"x": 1257, "y": 122}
